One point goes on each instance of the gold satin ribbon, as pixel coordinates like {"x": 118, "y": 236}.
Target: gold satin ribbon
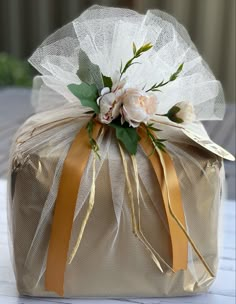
{"x": 171, "y": 194}
{"x": 73, "y": 168}
{"x": 179, "y": 243}
{"x": 169, "y": 183}
{"x": 88, "y": 213}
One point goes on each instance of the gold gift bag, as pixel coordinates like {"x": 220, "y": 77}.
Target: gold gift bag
{"x": 99, "y": 204}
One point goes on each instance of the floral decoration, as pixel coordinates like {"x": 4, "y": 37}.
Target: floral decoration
{"x": 123, "y": 108}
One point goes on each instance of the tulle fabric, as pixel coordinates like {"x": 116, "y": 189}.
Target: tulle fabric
{"x": 107, "y": 34}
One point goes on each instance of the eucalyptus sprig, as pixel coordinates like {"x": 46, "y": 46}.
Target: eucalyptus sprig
{"x": 173, "y": 77}
{"x": 92, "y": 141}
{"x": 158, "y": 143}
{"x": 136, "y": 54}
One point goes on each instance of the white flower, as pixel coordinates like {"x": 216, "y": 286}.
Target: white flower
{"x": 110, "y": 100}
{"x": 138, "y": 106}
{"x": 110, "y": 104}
{"x": 182, "y": 112}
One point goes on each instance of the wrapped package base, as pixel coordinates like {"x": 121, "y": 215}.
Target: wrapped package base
{"x": 111, "y": 261}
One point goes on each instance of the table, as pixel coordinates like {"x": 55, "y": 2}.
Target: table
{"x": 222, "y": 292}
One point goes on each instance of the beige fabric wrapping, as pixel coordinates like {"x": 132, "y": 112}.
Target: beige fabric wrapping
{"x": 111, "y": 261}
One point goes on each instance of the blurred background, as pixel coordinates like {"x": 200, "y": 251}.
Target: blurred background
{"x": 24, "y": 24}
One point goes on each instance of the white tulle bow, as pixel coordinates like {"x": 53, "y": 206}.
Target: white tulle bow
{"x": 106, "y": 35}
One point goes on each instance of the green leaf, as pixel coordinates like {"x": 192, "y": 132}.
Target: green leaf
{"x": 150, "y": 127}
{"x": 173, "y": 111}
{"x": 87, "y": 95}
{"x": 92, "y": 141}
{"x": 144, "y": 48}
{"x": 88, "y": 71}
{"x": 173, "y": 77}
{"x": 154, "y": 129}
{"x": 121, "y": 67}
{"x": 180, "y": 68}
{"x": 107, "y": 81}
{"x": 161, "y": 147}
{"x": 176, "y": 119}
{"x": 136, "y": 54}
{"x": 158, "y": 143}
{"x": 128, "y": 136}
{"x": 176, "y": 74}
{"x": 134, "y": 49}
{"x": 171, "y": 114}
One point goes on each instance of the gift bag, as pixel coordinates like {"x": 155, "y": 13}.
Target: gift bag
{"x": 115, "y": 187}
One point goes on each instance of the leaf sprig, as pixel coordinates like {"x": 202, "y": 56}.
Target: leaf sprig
{"x": 136, "y": 54}
{"x": 173, "y": 77}
{"x": 87, "y": 94}
{"x": 127, "y": 135}
{"x": 158, "y": 143}
{"x": 89, "y": 72}
{"x": 92, "y": 141}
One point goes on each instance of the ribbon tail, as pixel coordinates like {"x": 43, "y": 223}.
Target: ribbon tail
{"x": 136, "y": 226}
{"x": 136, "y": 176}
{"x": 88, "y": 213}
{"x": 164, "y": 158}
{"x": 179, "y": 243}
{"x": 62, "y": 221}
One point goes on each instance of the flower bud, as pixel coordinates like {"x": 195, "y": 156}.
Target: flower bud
{"x": 182, "y": 112}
